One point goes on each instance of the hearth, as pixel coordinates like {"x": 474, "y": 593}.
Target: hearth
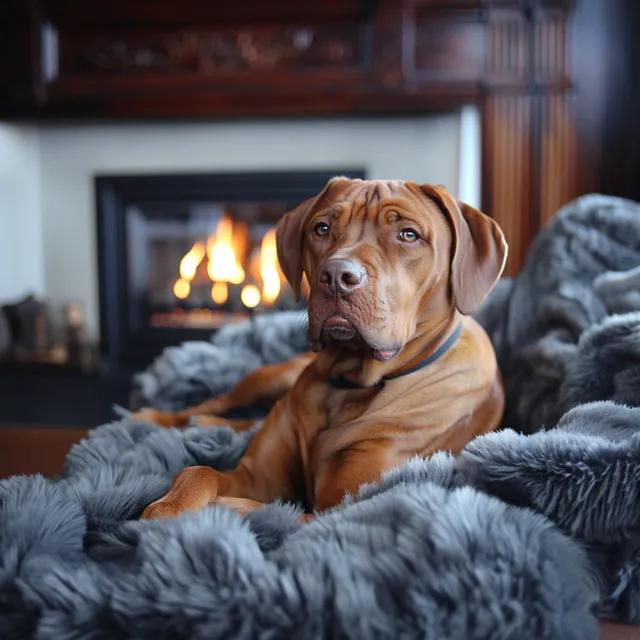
{"x": 182, "y": 255}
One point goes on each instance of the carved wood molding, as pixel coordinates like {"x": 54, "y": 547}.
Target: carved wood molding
{"x": 210, "y": 51}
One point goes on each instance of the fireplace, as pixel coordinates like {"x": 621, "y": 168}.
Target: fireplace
{"x": 180, "y": 256}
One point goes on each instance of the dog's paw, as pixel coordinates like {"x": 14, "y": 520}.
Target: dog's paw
{"x": 154, "y": 416}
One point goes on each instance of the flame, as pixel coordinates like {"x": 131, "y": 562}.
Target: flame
{"x": 269, "y": 268}
{"x": 191, "y": 261}
{"x": 219, "y": 292}
{"x": 241, "y": 237}
{"x": 250, "y": 296}
{"x": 223, "y": 263}
{"x": 181, "y": 288}
{"x": 227, "y": 254}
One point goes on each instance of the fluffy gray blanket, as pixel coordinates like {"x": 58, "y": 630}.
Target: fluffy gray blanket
{"x": 521, "y": 536}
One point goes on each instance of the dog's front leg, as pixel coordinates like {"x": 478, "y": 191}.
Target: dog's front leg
{"x": 271, "y": 468}
{"x": 242, "y": 505}
{"x": 262, "y": 386}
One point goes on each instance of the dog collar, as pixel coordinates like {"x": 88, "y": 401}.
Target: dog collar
{"x": 343, "y": 383}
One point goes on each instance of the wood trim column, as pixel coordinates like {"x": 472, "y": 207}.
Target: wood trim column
{"x": 507, "y": 170}
{"x": 559, "y": 179}
{"x": 529, "y": 158}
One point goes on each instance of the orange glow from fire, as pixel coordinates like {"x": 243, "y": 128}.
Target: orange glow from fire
{"x": 269, "y": 268}
{"x": 191, "y": 261}
{"x": 181, "y": 288}
{"x": 250, "y": 296}
{"x": 224, "y": 265}
{"x": 219, "y": 292}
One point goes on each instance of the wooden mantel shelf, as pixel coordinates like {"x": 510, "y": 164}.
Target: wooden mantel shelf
{"x": 164, "y": 59}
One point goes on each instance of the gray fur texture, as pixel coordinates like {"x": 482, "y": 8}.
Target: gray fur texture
{"x": 558, "y": 341}
{"x": 521, "y": 536}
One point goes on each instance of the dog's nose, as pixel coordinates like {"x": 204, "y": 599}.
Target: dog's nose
{"x": 341, "y": 276}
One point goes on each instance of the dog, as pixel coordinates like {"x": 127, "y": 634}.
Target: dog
{"x": 397, "y": 368}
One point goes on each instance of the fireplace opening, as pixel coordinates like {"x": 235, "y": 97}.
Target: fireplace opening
{"x": 216, "y": 264}
{"x": 180, "y": 256}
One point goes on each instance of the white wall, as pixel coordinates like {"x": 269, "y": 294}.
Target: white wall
{"x": 21, "y": 246}
{"x": 470, "y": 157}
{"x": 424, "y": 149}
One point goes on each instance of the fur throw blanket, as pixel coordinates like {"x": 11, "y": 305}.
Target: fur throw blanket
{"x": 529, "y": 533}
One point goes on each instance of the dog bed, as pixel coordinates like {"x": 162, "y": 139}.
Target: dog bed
{"x": 532, "y": 532}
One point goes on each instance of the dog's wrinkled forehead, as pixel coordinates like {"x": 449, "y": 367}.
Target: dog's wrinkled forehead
{"x": 362, "y": 195}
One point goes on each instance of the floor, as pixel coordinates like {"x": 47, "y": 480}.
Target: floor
{"x": 35, "y": 449}
{"x": 619, "y": 632}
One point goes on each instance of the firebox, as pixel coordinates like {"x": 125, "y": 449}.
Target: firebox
{"x": 181, "y": 255}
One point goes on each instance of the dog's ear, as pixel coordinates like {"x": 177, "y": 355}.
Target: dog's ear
{"x": 290, "y": 233}
{"x": 289, "y": 241}
{"x": 478, "y": 251}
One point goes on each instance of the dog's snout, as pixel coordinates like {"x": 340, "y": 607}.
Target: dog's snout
{"x": 341, "y": 276}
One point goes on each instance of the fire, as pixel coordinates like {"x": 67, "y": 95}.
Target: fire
{"x": 227, "y": 253}
{"x": 250, "y": 296}
{"x": 223, "y": 263}
{"x": 269, "y": 268}
{"x": 191, "y": 261}
{"x": 219, "y": 292}
{"x": 181, "y": 288}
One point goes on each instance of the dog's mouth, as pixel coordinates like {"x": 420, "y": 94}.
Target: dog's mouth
{"x": 339, "y": 329}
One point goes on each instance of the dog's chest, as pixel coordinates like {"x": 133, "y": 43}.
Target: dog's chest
{"x": 335, "y": 427}
{"x": 344, "y": 406}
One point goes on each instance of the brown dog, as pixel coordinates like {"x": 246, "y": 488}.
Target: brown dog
{"x": 395, "y": 269}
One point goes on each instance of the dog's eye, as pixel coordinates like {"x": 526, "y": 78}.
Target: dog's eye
{"x": 321, "y": 229}
{"x": 408, "y": 235}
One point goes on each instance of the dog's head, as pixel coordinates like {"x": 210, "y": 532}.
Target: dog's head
{"x": 383, "y": 256}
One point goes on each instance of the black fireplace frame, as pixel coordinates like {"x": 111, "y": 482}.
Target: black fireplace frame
{"x": 123, "y": 349}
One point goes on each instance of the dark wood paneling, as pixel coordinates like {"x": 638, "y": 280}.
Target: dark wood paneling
{"x": 18, "y": 63}
{"x": 508, "y": 170}
{"x": 559, "y": 179}
{"x": 143, "y": 13}
{"x": 448, "y": 49}
{"x": 559, "y": 168}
